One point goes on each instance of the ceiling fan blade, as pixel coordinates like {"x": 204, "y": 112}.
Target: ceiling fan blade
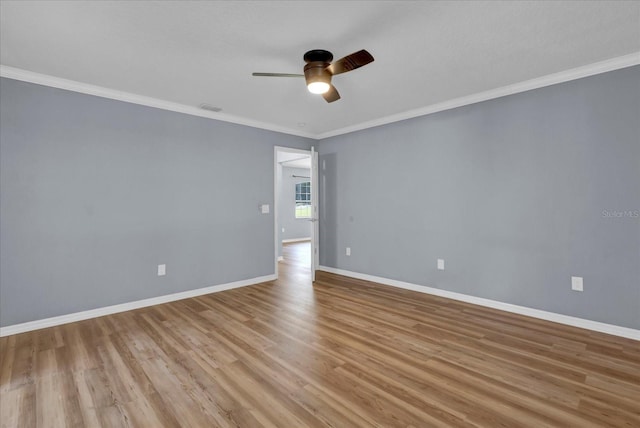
{"x": 331, "y": 95}
{"x": 350, "y": 62}
{"x": 277, "y": 75}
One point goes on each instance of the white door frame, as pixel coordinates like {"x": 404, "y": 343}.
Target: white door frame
{"x": 315, "y": 216}
{"x": 276, "y": 198}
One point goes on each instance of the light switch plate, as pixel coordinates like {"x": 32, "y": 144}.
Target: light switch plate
{"x": 577, "y": 283}
{"x": 264, "y": 208}
{"x": 348, "y": 251}
{"x": 440, "y": 264}
{"x": 162, "y": 270}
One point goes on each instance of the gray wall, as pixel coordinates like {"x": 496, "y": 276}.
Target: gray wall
{"x": 95, "y": 193}
{"x": 511, "y": 192}
{"x": 516, "y": 194}
{"x": 294, "y": 228}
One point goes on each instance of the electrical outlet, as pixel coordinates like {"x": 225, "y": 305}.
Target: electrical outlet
{"x": 577, "y": 283}
{"x": 162, "y": 270}
{"x": 348, "y": 251}
{"x": 440, "y": 264}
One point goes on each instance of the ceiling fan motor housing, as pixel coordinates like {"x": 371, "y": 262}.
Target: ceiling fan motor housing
{"x": 315, "y": 70}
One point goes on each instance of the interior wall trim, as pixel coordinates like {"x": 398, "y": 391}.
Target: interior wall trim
{"x": 551, "y": 79}
{"x": 114, "y": 309}
{"x": 615, "y": 330}
{"x": 128, "y": 97}
{"x": 540, "y": 82}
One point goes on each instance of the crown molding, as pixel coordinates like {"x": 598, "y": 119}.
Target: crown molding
{"x": 540, "y": 82}
{"x": 100, "y": 91}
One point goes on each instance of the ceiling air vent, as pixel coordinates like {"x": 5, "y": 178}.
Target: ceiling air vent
{"x": 209, "y": 107}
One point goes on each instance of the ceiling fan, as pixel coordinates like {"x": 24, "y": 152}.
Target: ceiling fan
{"x": 319, "y": 69}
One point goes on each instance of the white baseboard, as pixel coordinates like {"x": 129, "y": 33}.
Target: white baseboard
{"x": 615, "y": 330}
{"x": 114, "y": 309}
{"x": 288, "y": 241}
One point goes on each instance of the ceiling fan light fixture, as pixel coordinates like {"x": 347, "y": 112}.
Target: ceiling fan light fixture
{"x": 318, "y": 87}
{"x": 317, "y": 77}
{"x": 319, "y": 70}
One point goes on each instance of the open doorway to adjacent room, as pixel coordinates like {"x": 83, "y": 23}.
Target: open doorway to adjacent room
{"x": 294, "y": 215}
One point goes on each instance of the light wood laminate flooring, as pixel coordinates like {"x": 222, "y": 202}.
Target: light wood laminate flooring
{"x": 338, "y": 353}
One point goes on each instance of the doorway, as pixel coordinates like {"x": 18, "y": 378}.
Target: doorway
{"x": 297, "y": 255}
{"x": 295, "y": 209}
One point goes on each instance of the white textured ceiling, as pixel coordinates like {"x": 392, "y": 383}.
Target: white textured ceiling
{"x": 193, "y": 52}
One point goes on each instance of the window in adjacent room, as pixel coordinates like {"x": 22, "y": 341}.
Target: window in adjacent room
{"x": 303, "y": 200}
